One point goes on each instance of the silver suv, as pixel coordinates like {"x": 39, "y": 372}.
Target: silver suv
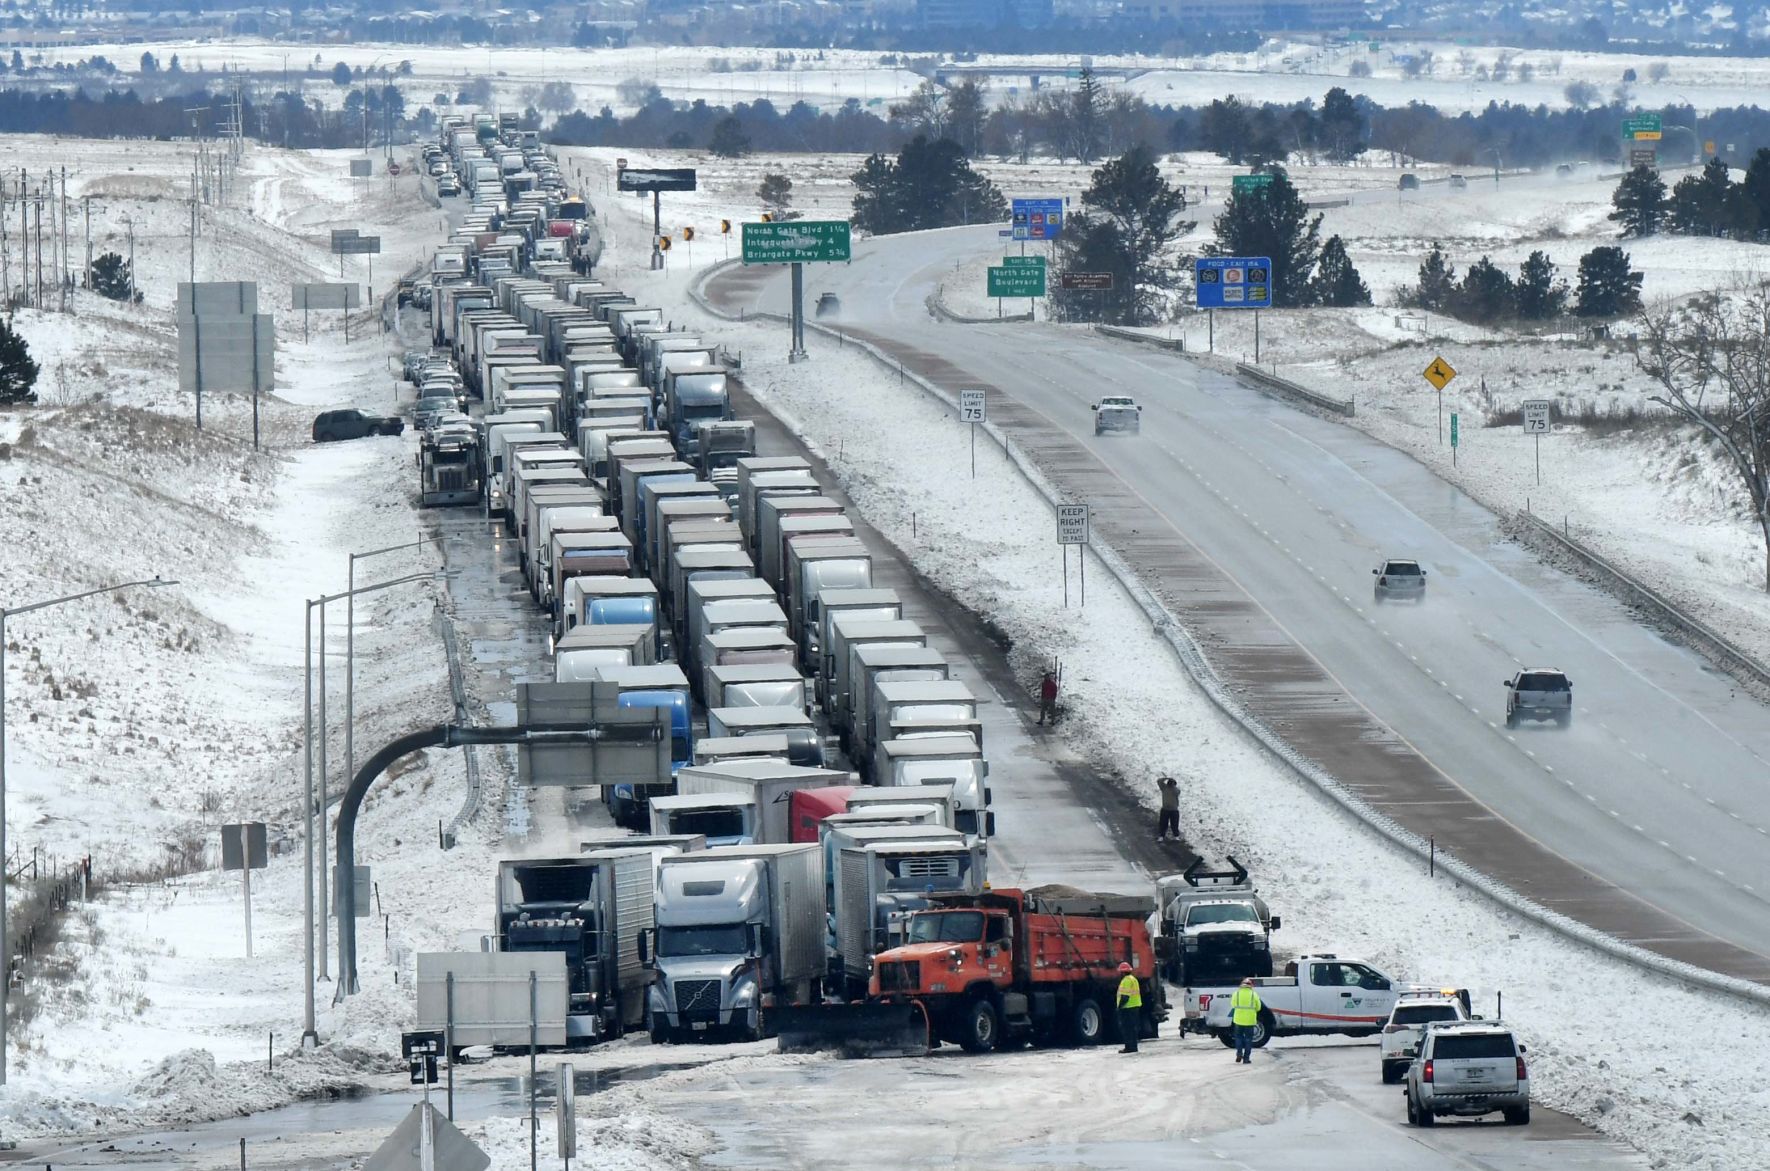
{"x": 1407, "y": 1024}
{"x": 1468, "y": 1069}
{"x": 1539, "y": 693}
{"x": 1398, "y": 578}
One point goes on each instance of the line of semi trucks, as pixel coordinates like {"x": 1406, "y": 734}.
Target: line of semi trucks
{"x": 815, "y": 861}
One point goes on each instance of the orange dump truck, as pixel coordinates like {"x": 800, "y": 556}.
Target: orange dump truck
{"x": 1006, "y": 967}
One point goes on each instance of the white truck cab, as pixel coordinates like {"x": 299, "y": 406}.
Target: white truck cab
{"x": 1117, "y": 412}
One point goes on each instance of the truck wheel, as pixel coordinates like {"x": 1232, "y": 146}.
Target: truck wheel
{"x": 1518, "y": 1116}
{"x": 1262, "y": 1030}
{"x": 1565, "y": 719}
{"x": 1418, "y": 1114}
{"x": 1511, "y": 719}
{"x": 980, "y": 1028}
{"x": 1227, "y": 1037}
{"x": 1392, "y": 1071}
{"x": 1087, "y": 1022}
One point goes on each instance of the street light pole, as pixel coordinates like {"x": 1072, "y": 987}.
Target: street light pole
{"x": 315, "y": 810}
{"x": 5, "y": 941}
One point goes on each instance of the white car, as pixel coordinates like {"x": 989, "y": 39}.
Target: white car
{"x": 1407, "y": 1023}
{"x": 1468, "y": 1069}
{"x": 1399, "y": 578}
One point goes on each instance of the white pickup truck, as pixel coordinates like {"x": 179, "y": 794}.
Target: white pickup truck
{"x": 1116, "y": 412}
{"x": 1318, "y": 994}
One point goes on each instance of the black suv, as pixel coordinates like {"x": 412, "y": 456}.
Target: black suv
{"x": 353, "y": 424}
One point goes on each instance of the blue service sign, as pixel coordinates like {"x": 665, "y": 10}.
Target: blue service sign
{"x": 1233, "y": 282}
{"x": 1036, "y": 219}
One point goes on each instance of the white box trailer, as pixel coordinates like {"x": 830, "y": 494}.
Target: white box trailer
{"x": 834, "y": 602}
{"x": 756, "y": 685}
{"x": 839, "y": 665}
{"x": 770, "y": 784}
{"x": 724, "y": 819}
{"x": 719, "y": 749}
{"x": 900, "y": 701}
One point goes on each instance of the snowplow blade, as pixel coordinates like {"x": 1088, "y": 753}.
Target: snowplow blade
{"x": 855, "y": 1030}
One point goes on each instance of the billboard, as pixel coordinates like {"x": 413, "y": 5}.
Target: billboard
{"x": 655, "y": 179}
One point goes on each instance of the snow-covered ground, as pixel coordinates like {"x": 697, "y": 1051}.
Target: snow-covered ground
{"x": 1280, "y": 71}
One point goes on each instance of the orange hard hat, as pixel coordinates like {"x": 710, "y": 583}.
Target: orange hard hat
{"x": 1124, "y": 967}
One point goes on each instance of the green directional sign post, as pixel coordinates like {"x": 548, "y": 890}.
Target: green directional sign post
{"x": 798, "y": 243}
{"x": 1454, "y": 436}
{"x": 1017, "y": 278}
{"x": 1642, "y": 128}
{"x": 1242, "y": 184}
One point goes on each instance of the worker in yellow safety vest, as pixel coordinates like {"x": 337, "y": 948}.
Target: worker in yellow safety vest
{"x": 1130, "y": 1001}
{"x": 1244, "y": 1014}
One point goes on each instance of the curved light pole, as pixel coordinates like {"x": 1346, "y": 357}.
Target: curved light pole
{"x": 5, "y": 613}
{"x": 309, "y": 1032}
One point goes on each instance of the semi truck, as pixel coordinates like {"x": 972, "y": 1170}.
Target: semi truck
{"x": 593, "y": 908}
{"x": 769, "y": 784}
{"x": 736, "y": 928}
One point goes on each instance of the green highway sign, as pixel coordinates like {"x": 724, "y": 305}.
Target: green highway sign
{"x": 797, "y": 241}
{"x": 1453, "y": 428}
{"x": 1642, "y": 127}
{"x": 1242, "y": 183}
{"x": 1023, "y": 262}
{"x": 1017, "y": 282}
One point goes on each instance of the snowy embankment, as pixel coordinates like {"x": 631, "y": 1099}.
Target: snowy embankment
{"x": 1602, "y": 1034}
{"x": 141, "y": 722}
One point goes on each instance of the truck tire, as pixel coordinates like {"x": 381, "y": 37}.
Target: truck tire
{"x": 1263, "y": 1030}
{"x": 1518, "y": 1115}
{"x": 1087, "y": 1022}
{"x": 1418, "y": 1115}
{"x": 1511, "y": 719}
{"x": 1227, "y": 1037}
{"x": 980, "y": 1028}
{"x": 1393, "y": 1071}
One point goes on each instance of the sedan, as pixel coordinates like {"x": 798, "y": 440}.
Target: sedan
{"x": 333, "y": 426}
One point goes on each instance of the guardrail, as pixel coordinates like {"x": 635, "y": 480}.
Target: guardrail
{"x": 1143, "y": 339}
{"x": 938, "y": 307}
{"x": 1713, "y": 645}
{"x": 1285, "y": 388}
{"x": 1193, "y": 662}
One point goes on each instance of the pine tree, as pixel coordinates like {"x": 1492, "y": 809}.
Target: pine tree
{"x": 1341, "y": 129}
{"x": 1337, "y": 284}
{"x": 1699, "y": 203}
{"x": 1273, "y": 221}
{"x": 1540, "y": 297}
{"x": 929, "y": 185}
{"x": 776, "y": 194}
{"x": 1608, "y": 287}
{"x": 111, "y": 277}
{"x": 729, "y": 140}
{"x": 1130, "y": 216}
{"x": 1640, "y": 202}
{"x": 1486, "y": 294}
{"x": 1438, "y": 279}
{"x": 1086, "y": 108}
{"x": 1751, "y": 217}
{"x": 18, "y": 373}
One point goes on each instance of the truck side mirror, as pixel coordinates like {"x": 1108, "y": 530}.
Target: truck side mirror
{"x": 989, "y": 825}
{"x": 644, "y": 944}
{"x": 986, "y": 796}
{"x": 1093, "y": 406}
{"x": 1275, "y": 923}
{"x": 1376, "y": 572}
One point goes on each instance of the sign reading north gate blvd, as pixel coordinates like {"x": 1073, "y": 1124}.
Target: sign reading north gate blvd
{"x": 1642, "y": 127}
{"x": 1017, "y": 282}
{"x": 797, "y": 242}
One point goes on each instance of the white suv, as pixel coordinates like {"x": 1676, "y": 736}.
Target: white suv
{"x": 1408, "y": 1020}
{"x": 1398, "y": 578}
{"x": 1468, "y": 1068}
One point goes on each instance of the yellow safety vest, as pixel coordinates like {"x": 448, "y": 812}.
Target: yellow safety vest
{"x": 1130, "y": 992}
{"x": 1244, "y": 1005}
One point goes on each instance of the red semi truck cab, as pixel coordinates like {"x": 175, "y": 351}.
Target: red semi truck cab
{"x": 808, "y": 807}
{"x": 1009, "y": 966}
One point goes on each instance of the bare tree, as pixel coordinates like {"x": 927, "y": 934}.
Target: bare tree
{"x": 1711, "y": 356}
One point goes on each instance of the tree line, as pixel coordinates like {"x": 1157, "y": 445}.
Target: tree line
{"x": 1706, "y": 203}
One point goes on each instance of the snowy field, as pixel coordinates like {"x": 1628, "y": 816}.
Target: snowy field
{"x": 1278, "y": 72}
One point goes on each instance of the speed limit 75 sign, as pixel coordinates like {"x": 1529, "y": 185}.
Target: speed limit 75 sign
{"x": 1536, "y": 416}
{"x": 972, "y": 408}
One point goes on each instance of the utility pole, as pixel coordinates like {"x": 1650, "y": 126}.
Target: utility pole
{"x": 63, "y": 272}
{"x": 87, "y": 201}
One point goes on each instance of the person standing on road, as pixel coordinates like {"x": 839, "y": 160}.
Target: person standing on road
{"x": 1244, "y": 1014}
{"x": 1048, "y": 698}
{"x": 1170, "y": 819}
{"x": 1130, "y": 1000}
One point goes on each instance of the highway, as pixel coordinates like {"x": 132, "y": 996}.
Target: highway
{"x": 1259, "y": 524}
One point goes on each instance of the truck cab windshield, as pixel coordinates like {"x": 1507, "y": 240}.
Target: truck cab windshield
{"x": 712, "y": 939}
{"x": 1221, "y": 913}
{"x": 947, "y": 927}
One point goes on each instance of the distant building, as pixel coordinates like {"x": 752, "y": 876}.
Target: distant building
{"x": 1251, "y": 14}
{"x": 983, "y": 13}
